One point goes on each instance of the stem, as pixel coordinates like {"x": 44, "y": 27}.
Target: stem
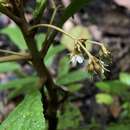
{"x": 53, "y": 4}
{"x": 52, "y": 104}
{"x": 94, "y": 42}
{"x": 44, "y": 75}
{"x": 7, "y": 12}
{"x": 88, "y": 53}
{"x": 67, "y": 34}
{"x": 53, "y": 27}
{"x": 40, "y": 67}
{"x": 51, "y": 22}
{"x": 12, "y": 58}
{"x": 12, "y": 52}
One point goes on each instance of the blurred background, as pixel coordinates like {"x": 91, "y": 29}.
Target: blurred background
{"x": 95, "y": 103}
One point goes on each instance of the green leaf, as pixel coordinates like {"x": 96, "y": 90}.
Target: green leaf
{"x": 103, "y": 98}
{"x": 113, "y": 87}
{"x": 125, "y": 78}
{"x": 53, "y": 50}
{"x": 7, "y": 67}
{"x": 39, "y": 39}
{"x": 28, "y": 115}
{"x": 25, "y": 86}
{"x": 63, "y": 66}
{"x": 19, "y": 83}
{"x": 70, "y": 118}
{"x": 74, "y": 87}
{"x": 77, "y": 32}
{"x": 40, "y": 5}
{"x": 119, "y": 127}
{"x": 16, "y": 36}
{"x": 74, "y": 6}
{"x": 73, "y": 77}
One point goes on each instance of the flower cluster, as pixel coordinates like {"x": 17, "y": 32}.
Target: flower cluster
{"x": 81, "y": 54}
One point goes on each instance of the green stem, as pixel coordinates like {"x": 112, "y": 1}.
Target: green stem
{"x": 67, "y": 34}
{"x": 51, "y": 22}
{"x": 12, "y": 58}
{"x": 53, "y": 27}
{"x": 53, "y": 4}
{"x": 88, "y": 53}
{"x": 12, "y": 52}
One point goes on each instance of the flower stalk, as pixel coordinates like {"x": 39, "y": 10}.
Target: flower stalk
{"x": 77, "y": 55}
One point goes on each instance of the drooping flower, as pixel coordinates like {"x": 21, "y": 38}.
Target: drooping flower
{"x": 76, "y": 58}
{"x": 80, "y": 54}
{"x": 96, "y": 65}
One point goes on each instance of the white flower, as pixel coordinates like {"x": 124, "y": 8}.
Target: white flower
{"x": 77, "y": 59}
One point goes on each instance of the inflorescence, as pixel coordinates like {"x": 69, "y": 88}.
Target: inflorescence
{"x": 81, "y": 54}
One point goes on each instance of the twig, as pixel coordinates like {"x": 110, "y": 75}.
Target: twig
{"x": 12, "y": 58}
{"x": 51, "y": 21}
{"x": 12, "y": 52}
{"x": 67, "y": 34}
{"x": 53, "y": 27}
{"x": 53, "y": 4}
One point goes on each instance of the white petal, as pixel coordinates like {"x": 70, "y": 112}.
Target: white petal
{"x": 79, "y": 59}
{"x": 73, "y": 60}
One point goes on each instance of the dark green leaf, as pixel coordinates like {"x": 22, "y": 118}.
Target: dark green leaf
{"x": 19, "y": 83}
{"x": 40, "y": 5}
{"x": 16, "y": 36}
{"x": 73, "y": 77}
{"x": 53, "y": 50}
{"x": 63, "y": 66}
{"x": 7, "y": 67}
{"x": 74, "y": 87}
{"x": 114, "y": 87}
{"x": 75, "y": 6}
{"x": 24, "y": 87}
{"x": 28, "y": 115}
{"x": 119, "y": 127}
{"x": 70, "y": 118}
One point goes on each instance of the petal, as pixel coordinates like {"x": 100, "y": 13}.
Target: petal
{"x": 80, "y": 59}
{"x": 73, "y": 60}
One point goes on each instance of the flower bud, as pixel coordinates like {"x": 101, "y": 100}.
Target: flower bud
{"x": 105, "y": 51}
{"x": 97, "y": 67}
{"x": 90, "y": 68}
